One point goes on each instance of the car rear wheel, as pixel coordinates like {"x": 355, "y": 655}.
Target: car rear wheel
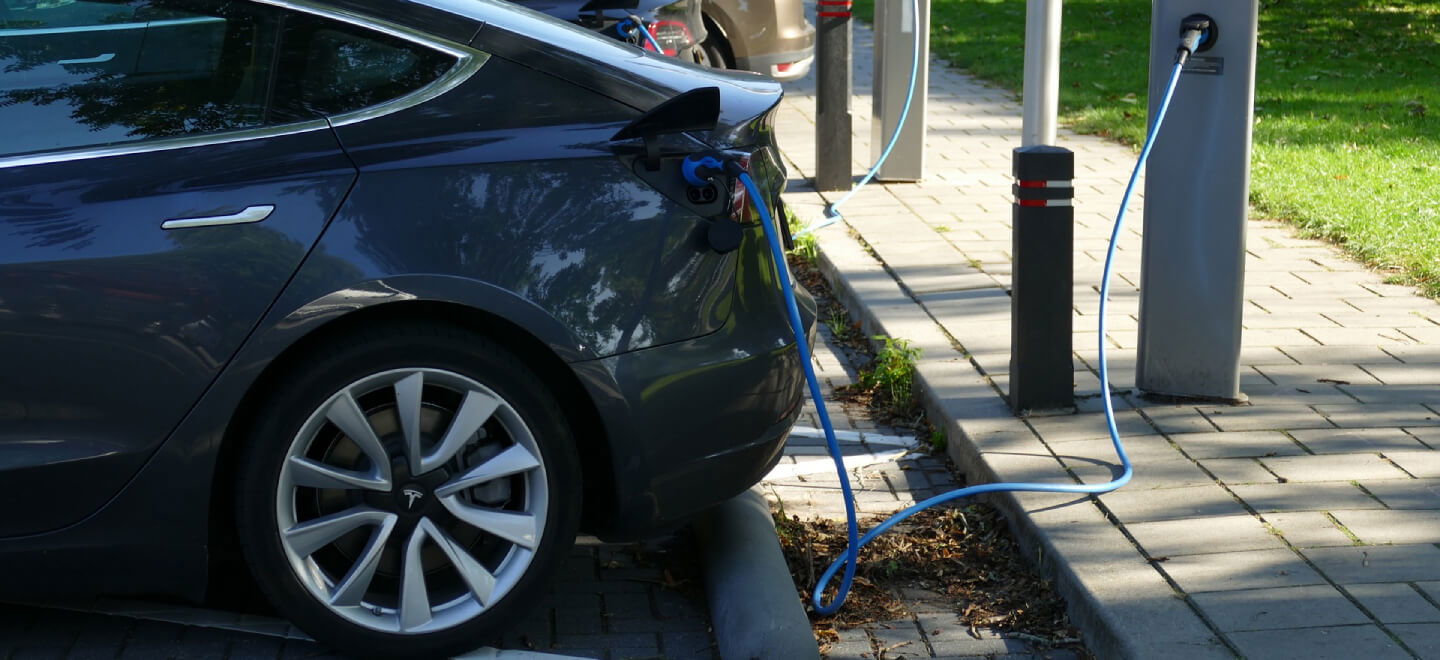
{"x": 717, "y": 50}
{"x": 409, "y": 493}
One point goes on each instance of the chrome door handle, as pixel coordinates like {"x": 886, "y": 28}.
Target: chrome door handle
{"x": 250, "y": 214}
{"x": 103, "y": 57}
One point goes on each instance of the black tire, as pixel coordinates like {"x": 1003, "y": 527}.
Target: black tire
{"x": 717, "y": 49}
{"x": 292, "y": 407}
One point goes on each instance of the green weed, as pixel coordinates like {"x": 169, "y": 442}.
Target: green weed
{"x": 892, "y": 374}
{"x": 805, "y": 246}
{"x": 938, "y": 441}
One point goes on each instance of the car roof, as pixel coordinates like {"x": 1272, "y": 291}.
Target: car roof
{"x": 460, "y": 20}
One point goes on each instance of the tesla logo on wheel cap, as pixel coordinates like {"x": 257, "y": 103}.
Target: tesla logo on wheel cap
{"x": 411, "y": 496}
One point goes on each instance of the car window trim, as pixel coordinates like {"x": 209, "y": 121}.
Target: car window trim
{"x": 467, "y": 62}
{"x": 108, "y": 27}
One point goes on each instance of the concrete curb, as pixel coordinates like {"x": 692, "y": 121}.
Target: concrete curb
{"x": 753, "y": 608}
{"x": 1123, "y": 606}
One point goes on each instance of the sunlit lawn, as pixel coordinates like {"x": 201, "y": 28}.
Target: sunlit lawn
{"x": 1347, "y": 134}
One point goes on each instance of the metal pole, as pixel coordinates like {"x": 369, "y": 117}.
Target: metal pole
{"x": 832, "y": 99}
{"x": 1042, "y": 231}
{"x": 1042, "y": 72}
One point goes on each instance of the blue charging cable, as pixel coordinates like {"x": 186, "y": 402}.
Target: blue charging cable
{"x": 849, "y": 560}
{"x": 624, "y": 29}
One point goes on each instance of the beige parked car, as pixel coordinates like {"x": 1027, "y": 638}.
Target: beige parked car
{"x": 766, "y": 36}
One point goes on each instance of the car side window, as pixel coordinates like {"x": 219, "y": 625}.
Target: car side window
{"x": 79, "y": 73}
{"x": 327, "y": 68}
{"x": 91, "y": 73}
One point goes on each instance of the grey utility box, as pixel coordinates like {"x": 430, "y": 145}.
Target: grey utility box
{"x": 1192, "y": 276}
{"x": 896, "y": 26}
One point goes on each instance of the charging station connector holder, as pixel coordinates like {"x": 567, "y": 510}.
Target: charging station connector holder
{"x": 1210, "y": 32}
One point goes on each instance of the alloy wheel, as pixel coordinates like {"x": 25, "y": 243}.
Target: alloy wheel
{"x": 412, "y": 501}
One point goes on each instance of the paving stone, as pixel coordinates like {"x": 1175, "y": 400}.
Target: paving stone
{"x": 1407, "y": 374}
{"x": 1361, "y": 415}
{"x": 1179, "y": 419}
{"x": 578, "y": 622}
{"x": 104, "y": 635}
{"x": 1308, "y": 529}
{"x": 1361, "y": 336}
{"x": 1237, "y": 444}
{"x": 1427, "y": 435}
{"x": 1133, "y": 506}
{"x": 1067, "y": 428}
{"x": 1203, "y": 536}
{"x": 1406, "y": 493}
{"x": 1277, "y": 418}
{"x": 1271, "y": 609}
{"x": 1419, "y": 463}
{"x": 249, "y": 647}
{"x": 1394, "y": 394}
{"x": 1378, "y": 563}
{"x": 899, "y": 637}
{"x": 1149, "y": 473}
{"x": 1422, "y": 638}
{"x": 608, "y": 641}
{"x": 1337, "y": 355}
{"x": 1350, "y": 441}
{"x": 1394, "y": 602}
{"x": 1399, "y": 527}
{"x": 1431, "y": 590}
{"x": 851, "y": 651}
{"x": 1291, "y": 395}
{"x": 626, "y": 605}
{"x": 1303, "y": 375}
{"x": 1332, "y": 467}
{"x": 1239, "y": 570}
{"x": 988, "y": 644}
{"x": 1305, "y": 496}
{"x": 1233, "y": 471}
{"x": 1425, "y": 355}
{"x": 1340, "y": 643}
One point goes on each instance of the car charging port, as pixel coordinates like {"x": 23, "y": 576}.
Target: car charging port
{"x": 706, "y": 194}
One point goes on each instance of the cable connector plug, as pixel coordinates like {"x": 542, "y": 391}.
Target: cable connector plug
{"x": 699, "y": 168}
{"x": 1197, "y": 33}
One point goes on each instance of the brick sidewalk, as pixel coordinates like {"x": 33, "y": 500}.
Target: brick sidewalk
{"x": 610, "y": 602}
{"x": 1304, "y": 525}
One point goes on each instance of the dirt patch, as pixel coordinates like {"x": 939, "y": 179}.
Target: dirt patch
{"x": 964, "y": 553}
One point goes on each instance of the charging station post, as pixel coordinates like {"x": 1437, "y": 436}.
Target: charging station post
{"x": 900, "y": 25}
{"x": 1042, "y": 230}
{"x": 1192, "y": 271}
{"x": 832, "y": 99}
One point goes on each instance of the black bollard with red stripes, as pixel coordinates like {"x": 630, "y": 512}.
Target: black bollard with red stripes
{"x": 833, "y": 124}
{"x": 1041, "y": 297}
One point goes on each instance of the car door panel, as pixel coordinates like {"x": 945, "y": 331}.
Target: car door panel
{"x": 112, "y": 327}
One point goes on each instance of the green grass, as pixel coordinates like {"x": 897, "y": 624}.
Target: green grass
{"x": 1347, "y": 133}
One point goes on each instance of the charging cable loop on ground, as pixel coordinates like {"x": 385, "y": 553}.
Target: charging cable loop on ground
{"x": 703, "y": 168}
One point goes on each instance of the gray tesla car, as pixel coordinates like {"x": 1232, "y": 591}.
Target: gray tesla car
{"x": 387, "y": 298}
